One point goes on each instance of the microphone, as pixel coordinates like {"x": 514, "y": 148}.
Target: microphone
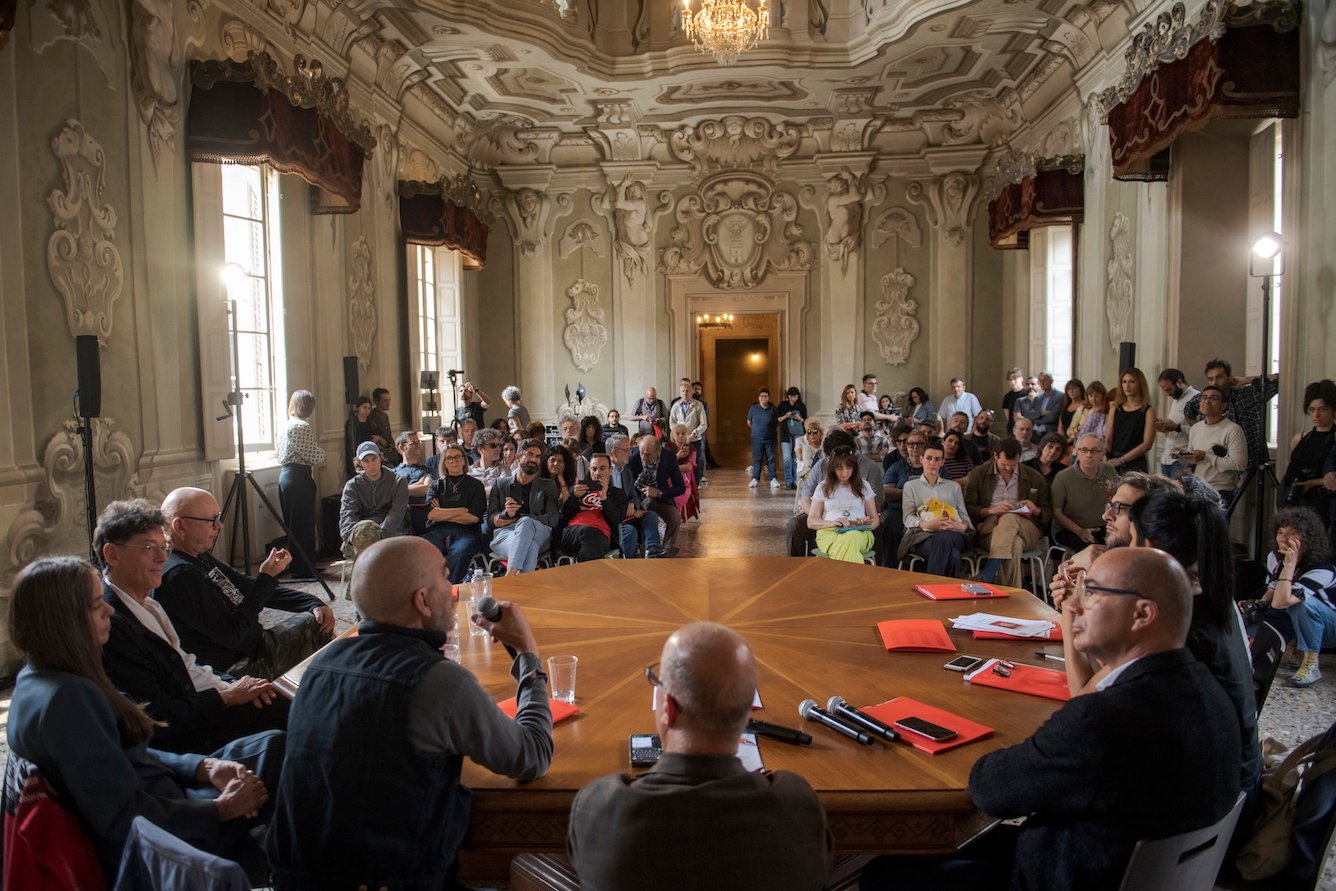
{"x": 776, "y": 732}
{"x": 861, "y": 719}
{"x": 490, "y": 610}
{"x": 810, "y": 711}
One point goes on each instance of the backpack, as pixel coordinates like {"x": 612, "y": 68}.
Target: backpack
{"x": 1276, "y": 834}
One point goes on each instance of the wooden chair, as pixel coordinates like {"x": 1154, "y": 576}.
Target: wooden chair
{"x": 1267, "y": 649}
{"x": 1189, "y": 861}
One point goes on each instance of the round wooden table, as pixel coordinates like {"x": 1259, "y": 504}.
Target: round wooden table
{"x": 812, "y": 624}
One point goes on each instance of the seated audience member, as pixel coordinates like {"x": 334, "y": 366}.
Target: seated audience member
{"x": 90, "y": 742}
{"x": 846, "y": 412}
{"x": 523, "y": 511}
{"x": 357, "y": 429}
{"x": 900, "y": 431}
{"x": 569, "y": 428}
{"x": 456, "y": 506}
{"x": 374, "y": 503}
{"x": 1217, "y": 451}
{"x": 726, "y": 827}
{"x": 468, "y": 430}
{"x": 1074, "y": 409}
{"x": 473, "y": 403}
{"x": 1009, "y": 505}
{"x": 517, "y": 416}
{"x": 198, "y": 711}
{"x": 1300, "y": 596}
{"x": 937, "y": 525}
{"x": 1081, "y": 495}
{"x": 591, "y": 437}
{"x": 1049, "y": 460}
{"x": 417, "y": 478}
{"x": 370, "y": 794}
{"x": 1311, "y": 451}
{"x": 843, "y": 499}
{"x": 870, "y": 442}
{"x": 983, "y": 438}
{"x": 510, "y": 455}
{"x": 591, "y": 513}
{"x": 807, "y": 450}
{"x": 960, "y": 422}
{"x": 1023, "y": 431}
{"x": 638, "y": 522}
{"x": 216, "y": 610}
{"x": 488, "y": 468}
{"x": 1097, "y": 418}
{"x": 535, "y": 430}
{"x": 560, "y": 468}
{"x": 801, "y": 539}
{"x": 614, "y": 425}
{"x": 658, "y": 483}
{"x": 958, "y": 462}
{"x": 907, "y": 467}
{"x": 931, "y": 426}
{"x": 443, "y": 437}
{"x": 1087, "y": 807}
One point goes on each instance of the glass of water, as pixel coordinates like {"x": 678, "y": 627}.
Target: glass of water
{"x": 561, "y": 675}
{"x": 479, "y": 587}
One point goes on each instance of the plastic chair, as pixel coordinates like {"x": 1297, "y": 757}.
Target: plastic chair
{"x": 1035, "y": 560}
{"x": 1267, "y": 649}
{"x": 1189, "y": 861}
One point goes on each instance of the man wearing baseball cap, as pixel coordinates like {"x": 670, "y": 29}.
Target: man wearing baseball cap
{"x": 374, "y": 505}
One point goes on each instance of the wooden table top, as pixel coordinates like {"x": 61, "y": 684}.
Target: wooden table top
{"x": 812, "y": 625}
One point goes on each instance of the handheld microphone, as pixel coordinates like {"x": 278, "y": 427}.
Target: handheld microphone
{"x": 490, "y": 610}
{"x": 810, "y": 711}
{"x": 781, "y": 734}
{"x": 861, "y": 719}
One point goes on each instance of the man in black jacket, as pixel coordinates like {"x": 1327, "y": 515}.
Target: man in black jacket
{"x": 592, "y": 511}
{"x": 658, "y": 483}
{"x": 216, "y": 609}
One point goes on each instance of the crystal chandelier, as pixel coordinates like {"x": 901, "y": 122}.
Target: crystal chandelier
{"x": 719, "y": 320}
{"x": 725, "y": 27}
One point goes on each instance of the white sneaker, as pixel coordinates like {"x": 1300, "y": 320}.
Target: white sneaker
{"x": 774, "y": 483}
{"x": 753, "y": 484}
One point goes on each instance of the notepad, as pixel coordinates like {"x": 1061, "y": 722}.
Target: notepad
{"x": 954, "y": 591}
{"x": 560, "y": 710}
{"x": 915, "y": 635}
{"x": 892, "y": 710}
{"x": 1046, "y": 682}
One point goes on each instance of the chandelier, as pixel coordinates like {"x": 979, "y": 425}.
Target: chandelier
{"x": 720, "y": 320}
{"x": 725, "y": 27}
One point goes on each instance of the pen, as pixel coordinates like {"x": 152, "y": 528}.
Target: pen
{"x": 1053, "y": 657}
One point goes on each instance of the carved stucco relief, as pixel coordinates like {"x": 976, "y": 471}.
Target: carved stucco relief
{"x": 81, "y": 256}
{"x": 362, "y": 304}
{"x": 734, "y": 143}
{"x": 843, "y": 218}
{"x": 949, "y": 202}
{"x": 897, "y": 325}
{"x": 157, "y": 69}
{"x": 529, "y": 213}
{"x": 1118, "y": 293}
{"x": 81, "y": 21}
{"x": 585, "y": 334}
{"x": 897, "y": 222}
{"x": 582, "y": 234}
{"x": 627, "y": 205}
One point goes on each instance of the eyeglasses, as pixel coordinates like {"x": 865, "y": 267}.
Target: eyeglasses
{"x": 453, "y": 458}
{"x": 213, "y": 520}
{"x": 155, "y": 550}
{"x": 1084, "y": 589}
{"x": 1085, "y": 451}
{"x": 916, "y": 443}
{"x": 1118, "y": 507}
{"x": 651, "y": 676}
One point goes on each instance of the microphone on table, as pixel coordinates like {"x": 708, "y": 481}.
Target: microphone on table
{"x": 860, "y": 719}
{"x": 810, "y": 711}
{"x": 781, "y": 734}
{"x": 490, "y": 610}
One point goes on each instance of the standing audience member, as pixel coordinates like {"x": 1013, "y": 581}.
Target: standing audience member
{"x": 1016, "y": 389}
{"x": 689, "y": 411}
{"x": 791, "y": 429}
{"x": 726, "y": 827}
{"x": 960, "y": 400}
{"x": 658, "y": 483}
{"x": 920, "y": 406}
{"x": 523, "y": 512}
{"x": 1131, "y": 423}
{"x": 473, "y": 403}
{"x": 380, "y": 426}
{"x": 843, "y": 500}
{"x": 937, "y": 523}
{"x": 1009, "y": 505}
{"x": 1081, "y": 495}
{"x": 296, "y": 450}
{"x": 417, "y": 478}
{"x": 1247, "y": 396}
{"x": 592, "y": 513}
{"x": 456, "y": 506}
{"x": 1174, "y": 425}
{"x": 357, "y": 429}
{"x": 1311, "y": 451}
{"x": 90, "y": 741}
{"x": 1217, "y": 451}
{"x": 1300, "y": 596}
{"x": 1049, "y": 460}
{"x": 371, "y": 793}
{"x": 216, "y": 610}
{"x": 762, "y": 421}
{"x": 698, "y": 391}
{"x": 374, "y": 503}
{"x": 983, "y": 439}
{"x": 517, "y": 416}
{"x": 1074, "y": 409}
{"x": 1051, "y": 403}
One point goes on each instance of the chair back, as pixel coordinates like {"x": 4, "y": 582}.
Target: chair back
{"x": 156, "y": 860}
{"x": 45, "y": 846}
{"x": 1189, "y": 861}
{"x": 1267, "y": 649}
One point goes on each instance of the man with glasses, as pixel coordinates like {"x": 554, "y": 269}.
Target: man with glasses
{"x": 1217, "y": 450}
{"x": 216, "y": 609}
{"x": 1081, "y": 495}
{"x": 199, "y": 709}
{"x": 724, "y": 826}
{"x": 1154, "y": 750}
{"x": 639, "y": 522}
{"x": 523, "y": 511}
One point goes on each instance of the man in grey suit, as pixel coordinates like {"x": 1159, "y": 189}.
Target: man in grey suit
{"x": 719, "y": 825}
{"x": 522, "y": 511}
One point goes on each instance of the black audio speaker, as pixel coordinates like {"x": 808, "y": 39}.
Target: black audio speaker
{"x": 1127, "y": 356}
{"x": 90, "y": 376}
{"x": 350, "y": 380}
{"x": 429, "y": 380}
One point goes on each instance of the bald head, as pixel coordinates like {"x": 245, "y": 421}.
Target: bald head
{"x": 389, "y": 576}
{"x": 1156, "y": 577}
{"x": 710, "y": 671}
{"x": 180, "y": 502}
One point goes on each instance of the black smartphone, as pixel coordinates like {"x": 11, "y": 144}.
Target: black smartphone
{"x": 594, "y": 486}
{"x": 935, "y": 732}
{"x": 646, "y": 748}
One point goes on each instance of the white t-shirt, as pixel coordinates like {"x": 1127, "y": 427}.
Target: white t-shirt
{"x": 1178, "y": 439}
{"x": 842, "y": 502}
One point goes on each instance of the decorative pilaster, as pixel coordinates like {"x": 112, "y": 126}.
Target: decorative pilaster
{"x": 949, "y": 204}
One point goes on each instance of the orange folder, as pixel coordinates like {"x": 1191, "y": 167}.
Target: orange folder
{"x": 893, "y": 710}
{"x": 1046, "y": 682}
{"x": 560, "y": 710}
{"x": 956, "y": 592}
{"x": 915, "y": 636}
{"x": 1055, "y": 634}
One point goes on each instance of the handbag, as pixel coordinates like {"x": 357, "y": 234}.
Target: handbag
{"x": 794, "y": 426}
{"x": 1270, "y": 847}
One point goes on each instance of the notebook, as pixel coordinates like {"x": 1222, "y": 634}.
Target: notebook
{"x": 954, "y": 591}
{"x": 915, "y": 636}
{"x": 1047, "y": 682}
{"x": 892, "y": 710}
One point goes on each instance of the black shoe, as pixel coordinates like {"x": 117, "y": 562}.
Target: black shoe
{"x": 714, "y": 465}
{"x": 661, "y": 553}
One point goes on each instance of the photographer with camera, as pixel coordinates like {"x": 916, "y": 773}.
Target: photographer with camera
{"x": 472, "y": 401}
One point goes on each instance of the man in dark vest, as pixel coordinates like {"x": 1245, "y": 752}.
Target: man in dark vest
{"x": 370, "y": 795}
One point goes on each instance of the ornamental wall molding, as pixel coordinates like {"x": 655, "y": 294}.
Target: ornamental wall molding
{"x": 896, "y": 326}
{"x": 157, "y": 69}
{"x": 585, "y": 334}
{"x": 734, "y": 231}
{"x": 1118, "y": 277}
{"x": 1012, "y": 166}
{"x": 734, "y": 142}
{"x": 529, "y": 213}
{"x": 362, "y": 304}
{"x": 582, "y": 235}
{"x": 82, "y": 22}
{"x": 493, "y": 142}
{"x": 81, "y": 254}
{"x": 949, "y": 203}
{"x": 897, "y": 223}
{"x": 842, "y": 211}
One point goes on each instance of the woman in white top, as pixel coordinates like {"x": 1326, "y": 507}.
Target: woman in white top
{"x": 807, "y": 451}
{"x": 937, "y": 525}
{"x": 297, "y": 450}
{"x": 842, "y": 500}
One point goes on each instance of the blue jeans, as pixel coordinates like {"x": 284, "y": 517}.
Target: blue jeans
{"x": 1313, "y": 622}
{"x": 1172, "y": 470}
{"x": 763, "y": 452}
{"x": 790, "y": 466}
{"x": 631, "y": 530}
{"x": 521, "y": 544}
{"x": 459, "y": 545}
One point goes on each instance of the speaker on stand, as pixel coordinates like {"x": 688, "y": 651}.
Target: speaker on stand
{"x": 1127, "y": 356}
{"x": 350, "y": 388}
{"x": 88, "y": 399}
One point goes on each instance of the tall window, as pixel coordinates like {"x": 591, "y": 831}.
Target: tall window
{"x": 1058, "y": 304}
{"x": 434, "y": 287}
{"x": 250, "y": 227}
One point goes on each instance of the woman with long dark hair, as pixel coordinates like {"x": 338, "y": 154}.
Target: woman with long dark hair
{"x": 1303, "y": 483}
{"x": 844, "y": 510}
{"x": 958, "y": 464}
{"x": 1300, "y": 591}
{"x": 920, "y": 406}
{"x": 91, "y": 743}
{"x": 1075, "y": 410}
{"x": 560, "y": 468}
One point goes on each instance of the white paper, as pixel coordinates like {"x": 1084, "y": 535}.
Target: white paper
{"x": 749, "y": 753}
{"x": 1003, "y": 625}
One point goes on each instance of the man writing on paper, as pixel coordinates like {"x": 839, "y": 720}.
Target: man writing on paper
{"x": 721, "y": 826}
{"x": 370, "y": 792}
{"x": 1153, "y": 751}
{"x": 1010, "y": 506}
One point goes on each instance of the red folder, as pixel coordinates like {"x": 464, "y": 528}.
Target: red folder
{"x": 956, "y": 592}
{"x": 893, "y": 710}
{"x": 1055, "y": 634}
{"x": 1031, "y": 679}
{"x": 915, "y": 636}
{"x": 560, "y": 710}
